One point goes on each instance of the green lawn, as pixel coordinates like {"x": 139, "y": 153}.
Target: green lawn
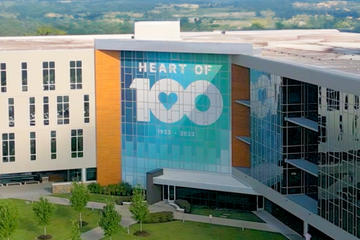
{"x": 225, "y": 213}
{"x": 178, "y": 230}
{"x": 60, "y": 224}
{"x": 93, "y": 197}
{"x": 60, "y": 227}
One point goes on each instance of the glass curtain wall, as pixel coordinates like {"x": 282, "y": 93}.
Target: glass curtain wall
{"x": 266, "y": 128}
{"x": 339, "y": 170}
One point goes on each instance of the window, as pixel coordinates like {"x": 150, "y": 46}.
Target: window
{"x": 3, "y": 76}
{"x": 32, "y": 146}
{"x": 11, "y": 112}
{"x": 24, "y": 77}
{"x": 75, "y": 75}
{"x": 356, "y": 104}
{"x": 8, "y": 147}
{"x": 32, "y": 111}
{"x": 63, "y": 114}
{"x": 77, "y": 143}
{"x": 91, "y": 174}
{"x": 86, "y": 109}
{"x": 46, "y": 110}
{"x": 49, "y": 76}
{"x": 346, "y": 105}
{"x": 53, "y": 144}
{"x": 333, "y": 99}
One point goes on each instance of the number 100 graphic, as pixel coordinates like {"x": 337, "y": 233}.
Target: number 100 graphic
{"x": 169, "y": 101}
{"x": 175, "y": 113}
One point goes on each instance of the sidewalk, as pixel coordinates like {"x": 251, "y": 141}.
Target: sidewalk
{"x": 94, "y": 234}
{"x": 29, "y": 192}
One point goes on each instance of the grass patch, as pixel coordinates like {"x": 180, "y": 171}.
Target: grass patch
{"x": 60, "y": 223}
{"x": 226, "y": 213}
{"x": 101, "y": 198}
{"x": 178, "y": 230}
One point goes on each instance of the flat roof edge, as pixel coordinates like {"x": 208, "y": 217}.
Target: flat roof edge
{"x": 335, "y": 79}
{"x": 173, "y": 46}
{"x": 205, "y": 186}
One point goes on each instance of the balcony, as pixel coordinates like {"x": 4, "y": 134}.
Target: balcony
{"x": 245, "y": 103}
{"x": 244, "y": 139}
{"x": 303, "y": 122}
{"x": 304, "y": 165}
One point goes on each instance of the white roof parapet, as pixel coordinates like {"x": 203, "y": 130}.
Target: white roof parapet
{"x": 203, "y": 180}
{"x": 174, "y": 46}
{"x": 322, "y": 76}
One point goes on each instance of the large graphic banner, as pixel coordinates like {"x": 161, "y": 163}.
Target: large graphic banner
{"x": 175, "y": 112}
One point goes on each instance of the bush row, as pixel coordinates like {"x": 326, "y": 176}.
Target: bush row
{"x": 121, "y": 189}
{"x": 184, "y": 205}
{"x": 121, "y": 199}
{"x": 159, "y": 217}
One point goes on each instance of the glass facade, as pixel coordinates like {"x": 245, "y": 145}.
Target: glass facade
{"x": 334, "y": 146}
{"x": 217, "y": 199}
{"x": 266, "y": 127}
{"x": 175, "y": 112}
{"x": 339, "y": 148}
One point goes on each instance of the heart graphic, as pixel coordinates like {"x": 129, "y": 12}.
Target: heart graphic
{"x": 168, "y": 100}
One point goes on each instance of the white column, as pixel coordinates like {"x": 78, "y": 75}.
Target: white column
{"x": 306, "y": 229}
{"x": 83, "y": 175}
{"x": 174, "y": 193}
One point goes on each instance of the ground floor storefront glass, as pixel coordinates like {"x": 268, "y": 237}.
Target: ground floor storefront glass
{"x": 217, "y": 199}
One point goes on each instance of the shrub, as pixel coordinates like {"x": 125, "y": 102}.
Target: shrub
{"x": 121, "y": 189}
{"x": 184, "y": 205}
{"x": 120, "y": 200}
{"x": 159, "y": 217}
{"x": 125, "y": 189}
{"x": 95, "y": 188}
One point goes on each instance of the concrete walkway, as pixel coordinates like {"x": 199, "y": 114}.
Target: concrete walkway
{"x": 94, "y": 234}
{"x": 27, "y": 192}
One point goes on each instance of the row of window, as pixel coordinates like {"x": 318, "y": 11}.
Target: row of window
{"x": 8, "y": 145}
{"x": 48, "y": 70}
{"x": 63, "y": 110}
{"x": 333, "y": 100}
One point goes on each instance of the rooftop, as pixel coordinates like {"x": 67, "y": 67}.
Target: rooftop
{"x": 203, "y": 180}
{"x": 322, "y": 48}
{"x": 328, "y": 49}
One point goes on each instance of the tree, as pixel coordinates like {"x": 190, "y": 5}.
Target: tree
{"x": 49, "y": 30}
{"x": 139, "y": 207}
{"x": 255, "y": 26}
{"x": 75, "y": 231}
{"x": 110, "y": 220}
{"x": 79, "y": 198}
{"x": 43, "y": 211}
{"x": 8, "y": 220}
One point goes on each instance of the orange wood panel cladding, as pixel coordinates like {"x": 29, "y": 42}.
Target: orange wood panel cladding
{"x": 240, "y": 89}
{"x": 108, "y": 117}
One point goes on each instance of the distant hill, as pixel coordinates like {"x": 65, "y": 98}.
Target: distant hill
{"x": 41, "y": 17}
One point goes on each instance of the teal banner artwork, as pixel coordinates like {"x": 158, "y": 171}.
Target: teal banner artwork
{"x": 175, "y": 113}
